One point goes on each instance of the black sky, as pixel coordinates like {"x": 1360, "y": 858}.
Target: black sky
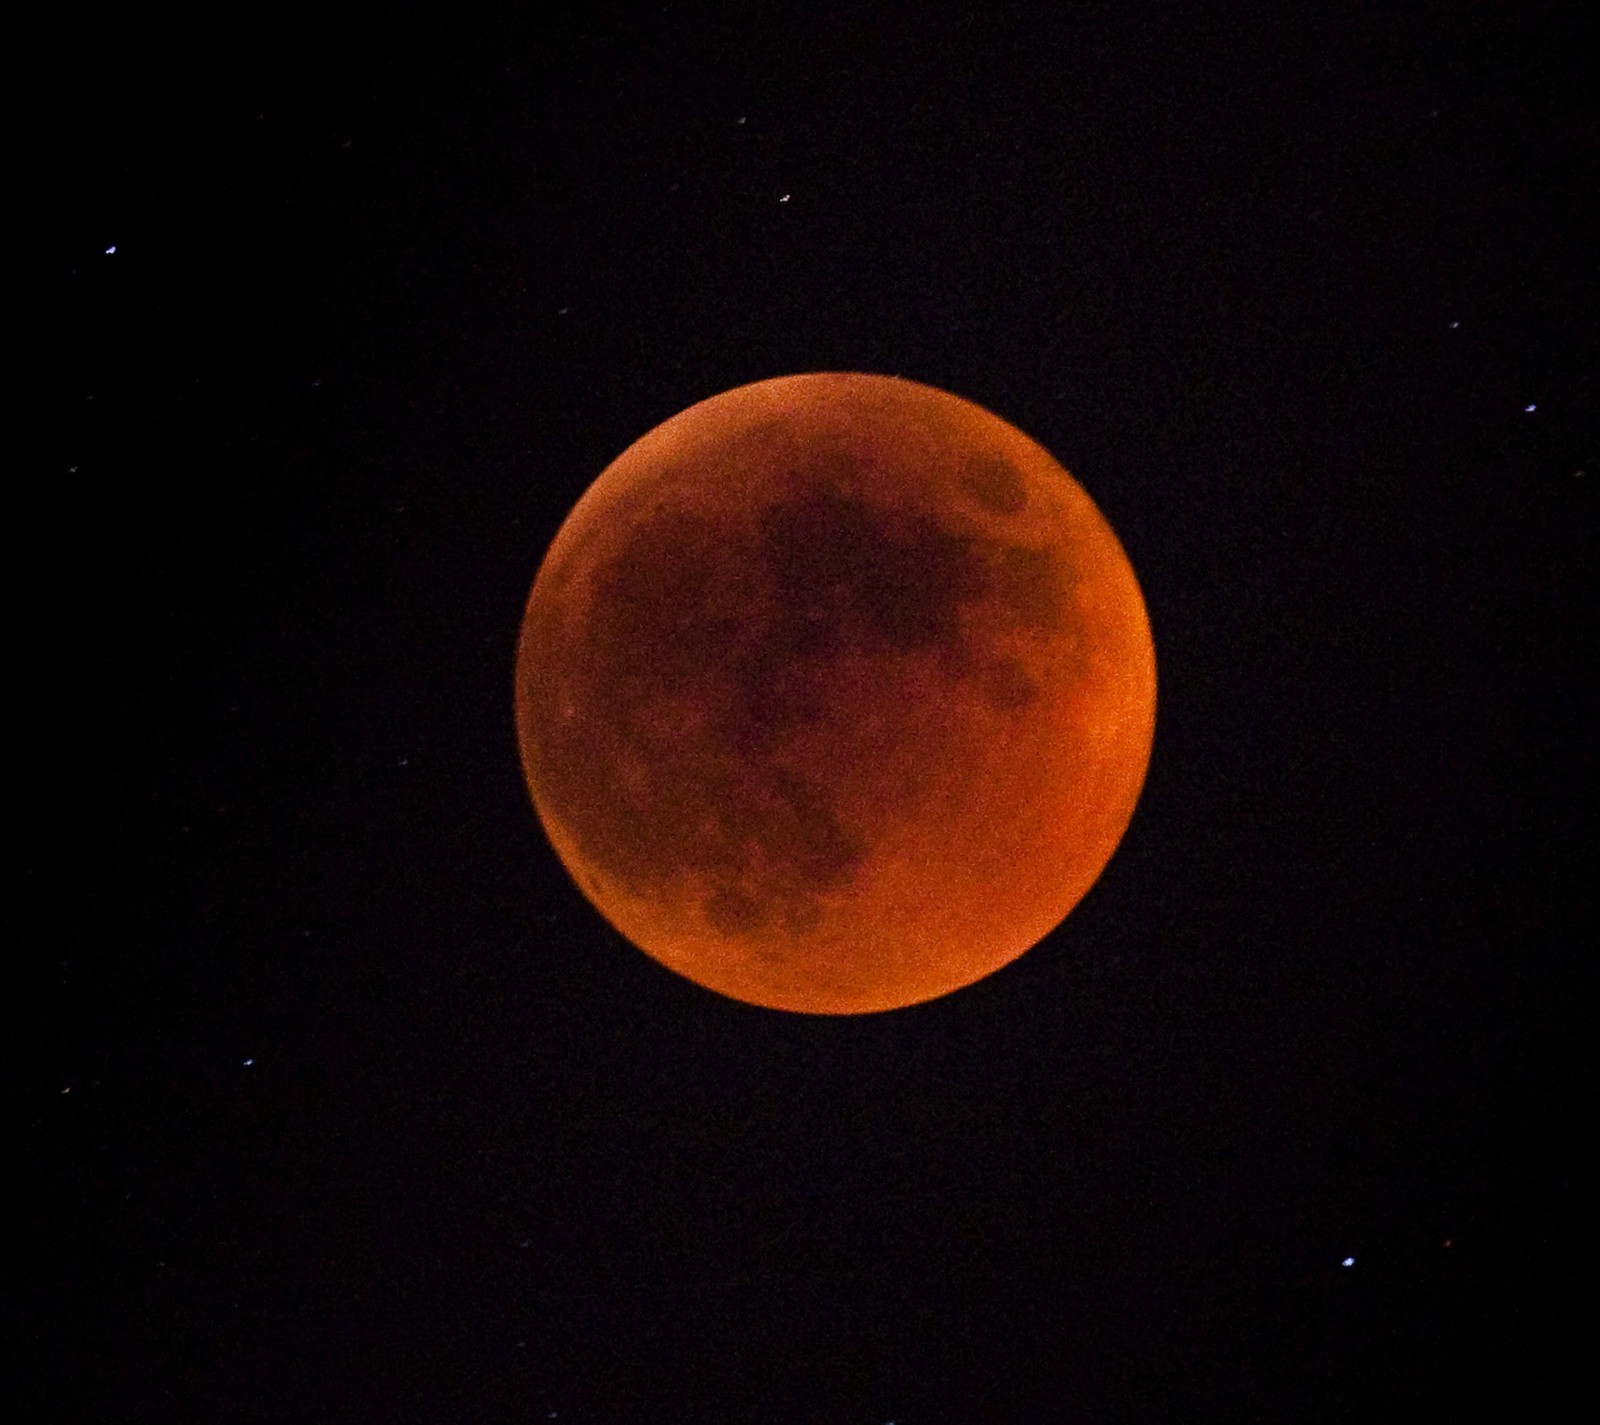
{"x": 340, "y": 1104}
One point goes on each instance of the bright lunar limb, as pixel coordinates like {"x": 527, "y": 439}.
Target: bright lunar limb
{"x": 835, "y": 693}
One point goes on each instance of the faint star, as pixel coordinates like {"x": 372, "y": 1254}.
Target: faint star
{"x": 248, "y": 1062}
{"x": 1530, "y": 409}
{"x": 111, "y": 249}
{"x": 1348, "y": 1262}
{"x": 784, "y": 199}
{"x": 1455, "y": 326}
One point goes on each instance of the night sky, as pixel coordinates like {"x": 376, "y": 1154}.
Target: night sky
{"x": 338, "y": 1102}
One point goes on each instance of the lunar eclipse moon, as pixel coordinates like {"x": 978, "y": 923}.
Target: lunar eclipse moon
{"x": 835, "y": 693}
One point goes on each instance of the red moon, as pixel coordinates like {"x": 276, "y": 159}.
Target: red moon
{"x": 835, "y": 693}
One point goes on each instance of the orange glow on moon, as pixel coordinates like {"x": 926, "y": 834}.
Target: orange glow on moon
{"x": 835, "y": 693}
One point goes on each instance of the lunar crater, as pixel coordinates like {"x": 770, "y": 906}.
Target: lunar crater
{"x": 995, "y": 484}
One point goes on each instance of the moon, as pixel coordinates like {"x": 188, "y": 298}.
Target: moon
{"x": 835, "y": 693}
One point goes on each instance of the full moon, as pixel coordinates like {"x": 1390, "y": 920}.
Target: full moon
{"x": 835, "y": 693}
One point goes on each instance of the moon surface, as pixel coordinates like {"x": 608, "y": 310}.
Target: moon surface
{"x": 835, "y": 693}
